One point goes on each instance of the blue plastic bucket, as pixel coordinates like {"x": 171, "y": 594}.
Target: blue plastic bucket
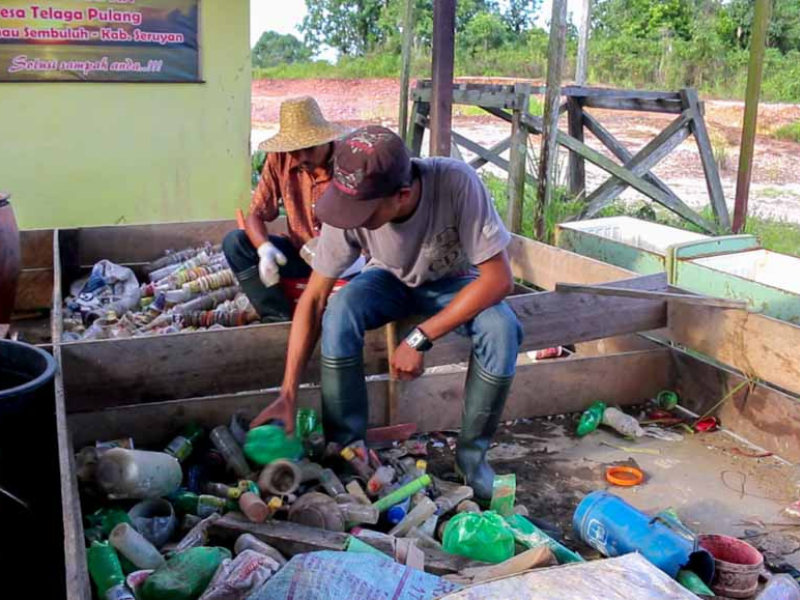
{"x": 613, "y": 527}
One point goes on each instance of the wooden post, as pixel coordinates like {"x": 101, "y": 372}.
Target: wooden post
{"x": 405, "y": 69}
{"x": 421, "y": 109}
{"x": 577, "y": 164}
{"x": 517, "y": 158}
{"x": 549, "y": 152}
{"x": 758, "y": 39}
{"x": 444, "y": 26}
{"x": 583, "y": 43}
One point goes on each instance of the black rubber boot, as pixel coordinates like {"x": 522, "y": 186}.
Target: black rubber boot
{"x": 345, "y": 405}
{"x": 270, "y": 303}
{"x": 484, "y": 397}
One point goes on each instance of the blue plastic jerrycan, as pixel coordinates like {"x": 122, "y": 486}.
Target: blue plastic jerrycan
{"x": 613, "y": 527}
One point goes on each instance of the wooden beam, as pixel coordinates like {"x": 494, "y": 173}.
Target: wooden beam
{"x": 548, "y": 154}
{"x": 633, "y": 104}
{"x": 758, "y": 39}
{"x": 444, "y": 37}
{"x": 36, "y": 247}
{"x": 405, "y": 67}
{"x": 583, "y": 42}
{"x": 496, "y": 96}
{"x": 419, "y": 120}
{"x": 618, "y": 150}
{"x": 649, "y": 156}
{"x": 518, "y": 159}
{"x": 603, "y": 290}
{"x": 487, "y": 155}
{"x": 579, "y": 91}
{"x": 713, "y": 183}
{"x": 577, "y": 164}
{"x": 35, "y": 290}
{"x": 497, "y": 149}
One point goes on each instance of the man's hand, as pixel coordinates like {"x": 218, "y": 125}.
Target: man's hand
{"x": 407, "y": 363}
{"x": 269, "y": 260}
{"x": 283, "y": 409}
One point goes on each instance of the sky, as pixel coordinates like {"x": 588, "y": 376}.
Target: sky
{"x": 285, "y": 16}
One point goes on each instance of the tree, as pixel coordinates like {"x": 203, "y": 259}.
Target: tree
{"x": 484, "y": 32}
{"x": 518, "y": 15}
{"x": 784, "y": 25}
{"x": 349, "y": 26}
{"x": 644, "y": 18}
{"x": 274, "y": 49}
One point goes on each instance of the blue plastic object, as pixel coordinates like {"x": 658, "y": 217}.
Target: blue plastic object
{"x": 398, "y": 512}
{"x": 613, "y": 527}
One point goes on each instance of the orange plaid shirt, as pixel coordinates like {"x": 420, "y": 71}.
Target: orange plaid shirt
{"x": 282, "y": 182}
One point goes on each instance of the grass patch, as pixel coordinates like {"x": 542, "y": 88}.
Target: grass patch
{"x": 790, "y": 132}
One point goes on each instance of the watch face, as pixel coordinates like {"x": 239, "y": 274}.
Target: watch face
{"x": 418, "y": 341}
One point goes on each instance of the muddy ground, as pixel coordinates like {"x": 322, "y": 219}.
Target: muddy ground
{"x": 775, "y": 190}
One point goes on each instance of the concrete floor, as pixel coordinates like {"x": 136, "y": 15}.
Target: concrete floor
{"x": 713, "y": 489}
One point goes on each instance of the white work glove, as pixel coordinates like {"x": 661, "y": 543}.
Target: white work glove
{"x": 270, "y": 258}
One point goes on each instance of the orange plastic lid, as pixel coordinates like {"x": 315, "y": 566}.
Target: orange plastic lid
{"x": 624, "y": 476}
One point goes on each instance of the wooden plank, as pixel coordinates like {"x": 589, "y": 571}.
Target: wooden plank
{"x": 35, "y": 289}
{"x": 579, "y": 91}
{"x": 636, "y": 104}
{"x": 667, "y": 296}
{"x": 648, "y": 157}
{"x": 622, "y": 153}
{"x": 713, "y": 182}
{"x": 405, "y": 67}
{"x": 544, "y": 388}
{"x": 36, "y": 247}
{"x": 764, "y": 416}
{"x": 754, "y": 344}
{"x": 487, "y": 155}
{"x": 518, "y": 159}
{"x": 419, "y": 119}
{"x": 467, "y": 94}
{"x": 497, "y": 149}
{"x": 442, "y": 57}
{"x": 577, "y": 164}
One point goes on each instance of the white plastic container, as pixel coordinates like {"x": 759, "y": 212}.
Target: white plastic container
{"x": 133, "y": 546}
{"x": 138, "y": 474}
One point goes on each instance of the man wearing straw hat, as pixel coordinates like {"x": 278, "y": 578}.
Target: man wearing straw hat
{"x": 437, "y": 248}
{"x": 295, "y": 175}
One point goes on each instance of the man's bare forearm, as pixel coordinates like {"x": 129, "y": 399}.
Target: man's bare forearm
{"x": 256, "y": 230}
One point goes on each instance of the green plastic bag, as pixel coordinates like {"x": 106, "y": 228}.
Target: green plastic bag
{"x": 484, "y": 536}
{"x": 268, "y": 443}
{"x": 306, "y": 422}
{"x": 185, "y": 576}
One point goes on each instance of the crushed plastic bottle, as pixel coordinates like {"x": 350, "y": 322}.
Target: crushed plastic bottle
{"x": 185, "y": 576}
{"x": 590, "y": 419}
{"x": 269, "y": 443}
{"x": 621, "y": 423}
{"x": 224, "y": 441}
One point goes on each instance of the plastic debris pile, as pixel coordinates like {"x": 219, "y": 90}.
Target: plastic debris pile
{"x": 188, "y": 290}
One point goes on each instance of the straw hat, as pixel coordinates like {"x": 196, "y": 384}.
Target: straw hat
{"x": 302, "y": 126}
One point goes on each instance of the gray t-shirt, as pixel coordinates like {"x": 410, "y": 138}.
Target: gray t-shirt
{"x": 454, "y": 227}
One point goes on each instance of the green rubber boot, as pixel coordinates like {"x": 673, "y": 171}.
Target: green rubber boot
{"x": 484, "y": 397}
{"x": 345, "y": 405}
{"x": 270, "y": 303}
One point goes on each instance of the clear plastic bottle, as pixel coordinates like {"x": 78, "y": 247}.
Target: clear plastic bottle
{"x": 421, "y": 512}
{"x": 138, "y": 474}
{"x": 247, "y": 541}
{"x": 469, "y": 506}
{"x": 354, "y": 489}
{"x": 220, "y": 490}
{"x": 623, "y": 424}
{"x": 133, "y": 546}
{"x": 355, "y": 512}
{"x": 381, "y": 478}
{"x": 333, "y": 486}
{"x": 359, "y": 465}
{"x": 224, "y": 441}
{"x": 447, "y": 502}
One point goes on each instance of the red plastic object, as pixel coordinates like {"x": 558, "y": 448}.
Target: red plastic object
{"x": 391, "y": 433}
{"x": 294, "y": 288}
{"x": 707, "y": 424}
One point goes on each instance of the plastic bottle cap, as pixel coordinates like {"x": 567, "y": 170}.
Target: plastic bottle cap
{"x": 395, "y": 514}
{"x": 624, "y": 476}
{"x": 347, "y": 454}
{"x": 275, "y": 503}
{"x": 422, "y": 465}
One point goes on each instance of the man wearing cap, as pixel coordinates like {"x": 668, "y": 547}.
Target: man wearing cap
{"x": 436, "y": 247}
{"x": 296, "y": 173}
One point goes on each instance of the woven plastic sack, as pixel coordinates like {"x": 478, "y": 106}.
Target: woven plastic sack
{"x": 335, "y": 575}
{"x": 484, "y": 536}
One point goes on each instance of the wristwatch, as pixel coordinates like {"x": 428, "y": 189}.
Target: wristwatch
{"x": 418, "y": 340}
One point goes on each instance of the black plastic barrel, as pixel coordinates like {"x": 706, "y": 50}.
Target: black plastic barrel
{"x": 31, "y": 524}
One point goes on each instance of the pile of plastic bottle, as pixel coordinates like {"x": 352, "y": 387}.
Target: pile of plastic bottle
{"x": 191, "y": 289}
{"x": 150, "y": 515}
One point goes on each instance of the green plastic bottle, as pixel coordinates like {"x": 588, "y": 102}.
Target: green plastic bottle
{"x": 692, "y": 582}
{"x": 107, "y": 519}
{"x": 106, "y": 572}
{"x": 203, "y": 505}
{"x": 268, "y": 443}
{"x": 181, "y": 447}
{"x": 529, "y": 535}
{"x": 185, "y": 576}
{"x": 306, "y": 422}
{"x": 590, "y": 419}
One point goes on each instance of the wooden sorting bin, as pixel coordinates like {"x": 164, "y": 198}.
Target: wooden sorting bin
{"x": 32, "y": 306}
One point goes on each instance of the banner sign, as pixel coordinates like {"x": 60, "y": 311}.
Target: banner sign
{"x": 99, "y": 40}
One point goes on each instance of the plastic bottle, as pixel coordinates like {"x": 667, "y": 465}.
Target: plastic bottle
{"x": 155, "y": 519}
{"x": 202, "y": 505}
{"x": 247, "y": 541}
{"x": 424, "y": 539}
{"x": 781, "y": 587}
{"x": 354, "y": 489}
{"x": 107, "y": 519}
{"x": 269, "y": 443}
{"x": 382, "y": 477}
{"x": 359, "y": 465}
{"x": 306, "y": 422}
{"x": 246, "y": 485}
{"x": 138, "y": 474}
{"x": 106, "y": 572}
{"x": 623, "y": 424}
{"x": 314, "y": 446}
{"x": 419, "y": 514}
{"x": 447, "y": 502}
{"x": 468, "y": 506}
{"x": 428, "y": 527}
{"x": 309, "y": 471}
{"x": 223, "y": 440}
{"x": 329, "y": 480}
{"x": 133, "y": 546}
{"x": 181, "y": 446}
{"x": 280, "y": 477}
{"x": 253, "y": 507}
{"x": 590, "y": 419}
{"x": 402, "y": 493}
{"x": 239, "y": 426}
{"x": 197, "y": 535}
{"x": 692, "y": 582}
{"x": 220, "y": 490}
{"x": 355, "y": 512}
{"x": 398, "y": 512}
{"x": 185, "y": 576}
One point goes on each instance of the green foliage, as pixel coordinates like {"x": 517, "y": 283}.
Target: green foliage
{"x": 789, "y": 132}
{"x": 273, "y": 49}
{"x": 257, "y": 161}
{"x": 485, "y": 31}
{"x": 349, "y": 26}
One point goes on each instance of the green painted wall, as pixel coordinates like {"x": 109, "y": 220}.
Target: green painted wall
{"x": 98, "y": 153}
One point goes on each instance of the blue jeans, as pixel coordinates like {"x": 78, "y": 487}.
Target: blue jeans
{"x": 376, "y": 297}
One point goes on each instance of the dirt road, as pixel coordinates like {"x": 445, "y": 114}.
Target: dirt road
{"x": 775, "y": 191}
